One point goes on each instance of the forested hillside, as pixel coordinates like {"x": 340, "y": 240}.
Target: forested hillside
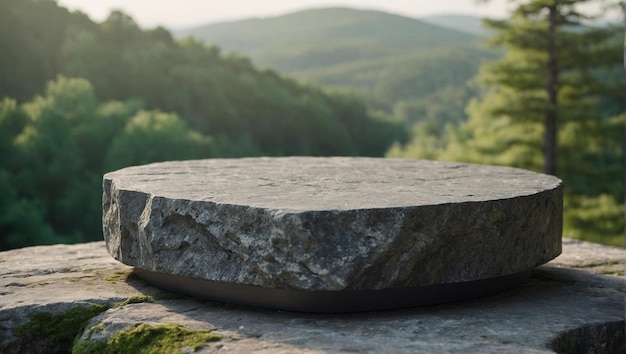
{"x": 402, "y": 66}
{"x": 553, "y": 103}
{"x": 79, "y": 98}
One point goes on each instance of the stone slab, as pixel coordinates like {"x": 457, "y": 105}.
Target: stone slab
{"x": 562, "y": 296}
{"x": 331, "y": 224}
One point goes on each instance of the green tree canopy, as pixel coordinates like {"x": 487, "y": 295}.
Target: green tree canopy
{"x": 553, "y": 102}
{"x": 56, "y": 148}
{"x": 31, "y": 35}
{"x": 224, "y": 96}
{"x": 152, "y": 136}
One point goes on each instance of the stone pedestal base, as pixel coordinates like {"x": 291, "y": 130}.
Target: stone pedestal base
{"x": 289, "y": 230}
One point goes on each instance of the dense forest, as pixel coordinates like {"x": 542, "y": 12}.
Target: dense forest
{"x": 79, "y": 98}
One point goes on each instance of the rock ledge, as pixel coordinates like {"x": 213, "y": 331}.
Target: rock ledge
{"x": 576, "y": 298}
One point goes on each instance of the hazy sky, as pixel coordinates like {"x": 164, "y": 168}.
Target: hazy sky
{"x": 181, "y": 13}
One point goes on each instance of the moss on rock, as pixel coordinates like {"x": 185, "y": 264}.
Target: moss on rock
{"x": 61, "y": 329}
{"x": 137, "y": 299}
{"x": 58, "y": 332}
{"x": 149, "y": 338}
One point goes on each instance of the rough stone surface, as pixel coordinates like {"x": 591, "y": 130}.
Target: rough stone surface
{"x": 583, "y": 287}
{"x": 331, "y": 223}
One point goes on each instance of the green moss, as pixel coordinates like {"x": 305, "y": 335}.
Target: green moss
{"x": 147, "y": 338}
{"x": 63, "y": 329}
{"x": 60, "y": 328}
{"x": 123, "y": 275}
{"x": 99, "y": 327}
{"x": 137, "y": 299}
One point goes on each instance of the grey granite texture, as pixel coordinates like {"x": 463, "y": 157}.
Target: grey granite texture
{"x": 582, "y": 289}
{"x": 331, "y": 224}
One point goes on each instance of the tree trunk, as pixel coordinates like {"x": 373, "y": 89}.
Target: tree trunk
{"x": 624, "y": 141}
{"x": 550, "y": 137}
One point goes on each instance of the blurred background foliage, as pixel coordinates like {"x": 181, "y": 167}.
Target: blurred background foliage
{"x": 80, "y": 98}
{"x": 507, "y": 118}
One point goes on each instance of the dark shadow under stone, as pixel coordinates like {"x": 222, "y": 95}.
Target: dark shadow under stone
{"x": 332, "y": 301}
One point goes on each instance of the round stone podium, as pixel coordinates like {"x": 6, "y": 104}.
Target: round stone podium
{"x": 335, "y": 234}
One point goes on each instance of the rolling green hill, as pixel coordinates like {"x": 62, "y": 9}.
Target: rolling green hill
{"x": 402, "y": 65}
{"x": 336, "y": 34}
{"x": 462, "y": 23}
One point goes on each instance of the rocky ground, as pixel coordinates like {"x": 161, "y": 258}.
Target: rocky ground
{"x": 56, "y": 297}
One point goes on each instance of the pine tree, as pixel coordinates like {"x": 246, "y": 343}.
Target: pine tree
{"x": 560, "y": 78}
{"x": 554, "y": 70}
{"x": 553, "y": 102}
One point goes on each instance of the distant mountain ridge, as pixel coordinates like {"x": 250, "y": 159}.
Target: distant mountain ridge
{"x": 336, "y": 30}
{"x": 402, "y": 65}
